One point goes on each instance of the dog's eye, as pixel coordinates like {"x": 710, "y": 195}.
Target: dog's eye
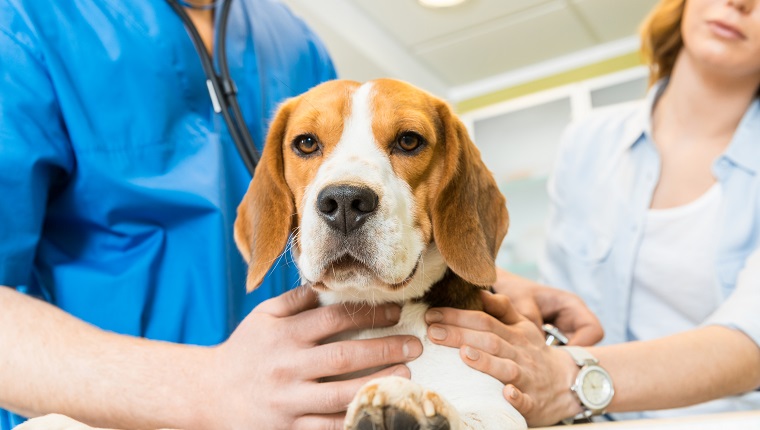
{"x": 409, "y": 141}
{"x": 306, "y": 144}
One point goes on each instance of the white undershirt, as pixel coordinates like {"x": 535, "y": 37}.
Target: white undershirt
{"x": 674, "y": 287}
{"x": 674, "y": 284}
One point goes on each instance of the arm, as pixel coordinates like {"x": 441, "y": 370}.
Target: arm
{"x": 680, "y": 370}
{"x": 703, "y": 364}
{"x": 691, "y": 367}
{"x": 53, "y": 362}
{"x": 266, "y": 375}
{"x": 718, "y": 359}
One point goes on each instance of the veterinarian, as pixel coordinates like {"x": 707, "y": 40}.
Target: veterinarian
{"x": 655, "y": 222}
{"x": 119, "y": 187}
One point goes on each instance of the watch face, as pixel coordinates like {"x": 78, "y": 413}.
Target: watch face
{"x": 596, "y": 388}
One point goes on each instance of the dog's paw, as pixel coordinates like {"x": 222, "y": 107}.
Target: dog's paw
{"x": 394, "y": 403}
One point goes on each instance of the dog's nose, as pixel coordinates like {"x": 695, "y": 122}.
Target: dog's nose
{"x": 346, "y": 207}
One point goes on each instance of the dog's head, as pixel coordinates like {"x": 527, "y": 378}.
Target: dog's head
{"x": 379, "y": 189}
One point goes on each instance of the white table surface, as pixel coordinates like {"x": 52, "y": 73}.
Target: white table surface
{"x": 729, "y": 421}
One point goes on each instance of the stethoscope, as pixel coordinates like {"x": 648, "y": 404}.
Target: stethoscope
{"x": 221, "y": 87}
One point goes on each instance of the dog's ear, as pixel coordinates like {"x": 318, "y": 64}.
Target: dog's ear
{"x": 469, "y": 213}
{"x": 266, "y": 215}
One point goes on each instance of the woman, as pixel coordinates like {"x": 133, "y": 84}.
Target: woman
{"x": 655, "y": 223}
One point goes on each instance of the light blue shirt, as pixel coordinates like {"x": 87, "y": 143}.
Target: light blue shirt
{"x": 601, "y": 188}
{"x": 119, "y": 184}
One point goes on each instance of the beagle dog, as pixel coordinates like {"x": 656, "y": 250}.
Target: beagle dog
{"x": 383, "y": 197}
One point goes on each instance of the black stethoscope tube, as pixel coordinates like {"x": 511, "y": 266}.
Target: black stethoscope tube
{"x": 222, "y": 89}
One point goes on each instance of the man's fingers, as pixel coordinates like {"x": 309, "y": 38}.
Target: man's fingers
{"x": 334, "y": 397}
{"x": 500, "y": 307}
{"x": 397, "y": 370}
{"x": 320, "y": 422}
{"x": 316, "y": 325}
{"x": 349, "y": 356}
{"x": 290, "y": 303}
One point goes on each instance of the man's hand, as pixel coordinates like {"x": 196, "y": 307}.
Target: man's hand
{"x": 563, "y": 309}
{"x": 268, "y": 373}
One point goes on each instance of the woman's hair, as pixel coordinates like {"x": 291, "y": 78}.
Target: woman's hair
{"x": 661, "y": 38}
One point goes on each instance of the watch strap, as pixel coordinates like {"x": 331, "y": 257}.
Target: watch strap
{"x": 580, "y": 355}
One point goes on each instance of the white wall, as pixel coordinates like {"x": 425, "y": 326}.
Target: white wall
{"x": 518, "y": 141}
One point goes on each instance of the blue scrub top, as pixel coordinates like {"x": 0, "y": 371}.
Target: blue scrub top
{"x": 119, "y": 184}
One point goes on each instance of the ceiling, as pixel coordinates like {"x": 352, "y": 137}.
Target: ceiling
{"x": 474, "y": 48}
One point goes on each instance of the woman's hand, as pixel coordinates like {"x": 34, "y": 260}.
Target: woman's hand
{"x": 540, "y": 303}
{"x": 506, "y": 345}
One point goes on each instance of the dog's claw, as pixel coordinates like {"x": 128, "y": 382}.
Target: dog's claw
{"x": 392, "y": 418}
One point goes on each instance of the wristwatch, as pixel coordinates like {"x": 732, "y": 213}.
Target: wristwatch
{"x": 593, "y": 385}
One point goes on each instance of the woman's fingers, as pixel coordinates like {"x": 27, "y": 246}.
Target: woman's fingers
{"x": 457, "y": 337}
{"x": 500, "y": 307}
{"x": 569, "y": 314}
{"x": 474, "y": 320}
{"x": 498, "y": 316}
{"x": 521, "y": 401}
{"x": 505, "y": 370}
{"x": 586, "y": 335}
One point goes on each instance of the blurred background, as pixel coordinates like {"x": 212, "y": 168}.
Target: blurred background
{"x": 516, "y": 71}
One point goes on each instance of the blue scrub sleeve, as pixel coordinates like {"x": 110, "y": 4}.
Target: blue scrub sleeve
{"x": 34, "y": 152}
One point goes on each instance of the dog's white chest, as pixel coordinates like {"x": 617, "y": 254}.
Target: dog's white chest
{"x": 476, "y": 396}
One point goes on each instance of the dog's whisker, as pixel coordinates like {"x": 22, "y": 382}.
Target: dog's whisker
{"x": 373, "y": 307}
{"x": 350, "y": 314}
